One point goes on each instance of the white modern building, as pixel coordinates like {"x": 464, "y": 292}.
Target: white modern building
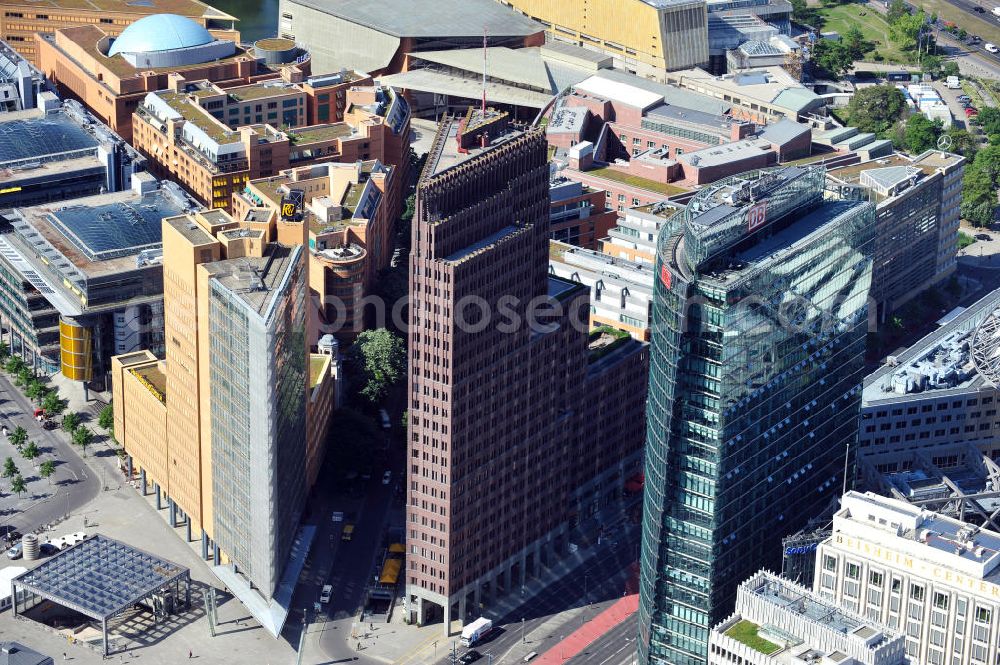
{"x": 779, "y": 622}
{"x": 934, "y": 578}
{"x": 620, "y": 275}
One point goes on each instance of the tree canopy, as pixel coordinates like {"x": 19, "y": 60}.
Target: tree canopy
{"x": 31, "y": 451}
{"x": 876, "y": 108}
{"x": 379, "y": 360}
{"x": 18, "y": 486}
{"x": 106, "y": 419}
{"x": 18, "y": 437}
{"x": 53, "y": 404}
{"x": 833, "y": 58}
{"x": 70, "y": 422}
{"x": 905, "y": 30}
{"x": 980, "y": 186}
{"x": 962, "y": 142}
{"x": 47, "y": 468}
{"x": 989, "y": 120}
{"x": 921, "y": 133}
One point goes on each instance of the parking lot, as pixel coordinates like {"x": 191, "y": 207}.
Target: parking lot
{"x": 984, "y": 253}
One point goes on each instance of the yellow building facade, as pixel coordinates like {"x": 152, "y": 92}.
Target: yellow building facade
{"x": 164, "y": 409}
{"x": 645, "y": 37}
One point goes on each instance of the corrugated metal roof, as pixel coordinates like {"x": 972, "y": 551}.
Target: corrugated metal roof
{"x": 784, "y": 131}
{"x": 430, "y": 18}
{"x": 670, "y": 94}
{"x": 501, "y": 62}
{"x": 427, "y": 80}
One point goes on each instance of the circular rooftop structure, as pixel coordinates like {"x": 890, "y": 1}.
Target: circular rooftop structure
{"x": 160, "y": 32}
{"x": 986, "y": 347}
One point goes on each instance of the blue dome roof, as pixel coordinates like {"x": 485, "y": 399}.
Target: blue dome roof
{"x": 160, "y": 32}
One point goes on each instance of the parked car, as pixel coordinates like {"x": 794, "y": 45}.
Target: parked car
{"x": 387, "y": 477}
{"x": 338, "y": 516}
{"x": 971, "y": 110}
{"x": 325, "y": 593}
{"x": 347, "y": 533}
{"x": 984, "y": 236}
{"x": 9, "y": 534}
{"x": 979, "y": 9}
{"x": 47, "y": 549}
{"x": 15, "y": 552}
{"x": 992, "y": 48}
{"x": 383, "y": 418}
{"x": 964, "y": 98}
{"x": 470, "y": 657}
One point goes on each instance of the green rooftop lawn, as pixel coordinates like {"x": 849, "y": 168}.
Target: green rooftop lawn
{"x": 746, "y": 633}
{"x": 637, "y": 181}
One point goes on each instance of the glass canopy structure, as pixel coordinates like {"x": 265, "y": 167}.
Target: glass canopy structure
{"x": 99, "y": 578}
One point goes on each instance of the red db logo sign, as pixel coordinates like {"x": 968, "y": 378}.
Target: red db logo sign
{"x": 757, "y": 217}
{"x": 665, "y": 276}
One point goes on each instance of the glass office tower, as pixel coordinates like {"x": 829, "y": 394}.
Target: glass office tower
{"x": 257, "y": 360}
{"x": 759, "y": 322}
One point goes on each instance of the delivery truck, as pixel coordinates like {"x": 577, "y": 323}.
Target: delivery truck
{"x": 476, "y": 631}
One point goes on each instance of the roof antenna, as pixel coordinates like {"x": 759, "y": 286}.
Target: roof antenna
{"x": 484, "y": 73}
{"x": 483, "y": 120}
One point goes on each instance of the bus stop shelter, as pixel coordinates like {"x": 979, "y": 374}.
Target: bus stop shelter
{"x": 100, "y": 578}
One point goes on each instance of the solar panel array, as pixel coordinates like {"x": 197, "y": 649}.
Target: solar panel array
{"x": 39, "y": 137}
{"x": 117, "y": 229}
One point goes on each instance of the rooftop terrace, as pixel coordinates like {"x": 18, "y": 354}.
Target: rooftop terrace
{"x": 320, "y": 133}
{"x": 154, "y": 378}
{"x": 189, "y": 8}
{"x": 195, "y": 114}
{"x": 636, "y": 181}
{"x": 263, "y": 90}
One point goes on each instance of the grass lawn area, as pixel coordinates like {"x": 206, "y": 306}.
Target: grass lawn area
{"x": 637, "y": 181}
{"x": 964, "y": 240}
{"x": 873, "y": 26}
{"x": 746, "y": 632}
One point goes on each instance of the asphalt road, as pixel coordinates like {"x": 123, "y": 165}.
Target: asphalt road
{"x": 615, "y": 647}
{"x": 346, "y": 565}
{"x": 594, "y": 584}
{"x": 76, "y": 483}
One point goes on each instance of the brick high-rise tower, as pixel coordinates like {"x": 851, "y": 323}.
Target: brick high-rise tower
{"x": 495, "y": 461}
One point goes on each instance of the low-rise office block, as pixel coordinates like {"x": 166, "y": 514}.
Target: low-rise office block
{"x": 59, "y": 151}
{"x": 82, "y": 280}
{"x": 778, "y": 622}
{"x": 185, "y": 139}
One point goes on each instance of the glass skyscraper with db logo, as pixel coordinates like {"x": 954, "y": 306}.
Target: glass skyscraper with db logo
{"x": 759, "y": 322}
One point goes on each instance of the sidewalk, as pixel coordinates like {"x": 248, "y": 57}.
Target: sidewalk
{"x": 591, "y": 631}
{"x": 424, "y": 645}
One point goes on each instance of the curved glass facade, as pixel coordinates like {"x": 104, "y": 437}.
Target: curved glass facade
{"x": 757, "y": 359}
{"x": 76, "y": 351}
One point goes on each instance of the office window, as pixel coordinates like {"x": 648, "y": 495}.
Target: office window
{"x": 853, "y": 571}
{"x": 829, "y": 563}
{"x": 917, "y": 592}
{"x": 875, "y": 578}
{"x": 941, "y": 601}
